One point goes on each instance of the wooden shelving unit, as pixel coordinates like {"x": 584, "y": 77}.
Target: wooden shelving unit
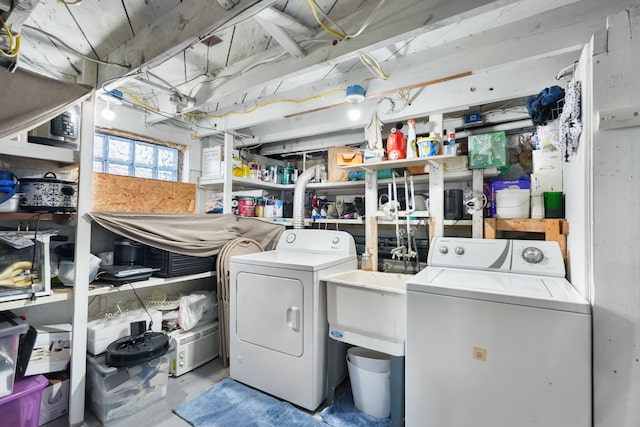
{"x": 553, "y": 229}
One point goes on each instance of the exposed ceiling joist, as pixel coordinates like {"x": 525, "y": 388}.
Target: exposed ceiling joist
{"x": 445, "y": 22}
{"x": 278, "y": 32}
{"x": 188, "y": 23}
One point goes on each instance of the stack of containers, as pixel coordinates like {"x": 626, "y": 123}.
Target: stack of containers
{"x": 546, "y": 178}
{"x": 19, "y": 401}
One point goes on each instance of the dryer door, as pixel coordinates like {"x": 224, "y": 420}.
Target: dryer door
{"x": 270, "y": 312}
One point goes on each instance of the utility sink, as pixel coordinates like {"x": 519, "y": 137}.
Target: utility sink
{"x": 368, "y": 309}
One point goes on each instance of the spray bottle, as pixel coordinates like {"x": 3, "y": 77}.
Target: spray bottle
{"x": 412, "y": 148}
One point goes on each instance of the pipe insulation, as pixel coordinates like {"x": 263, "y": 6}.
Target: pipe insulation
{"x": 298, "y": 195}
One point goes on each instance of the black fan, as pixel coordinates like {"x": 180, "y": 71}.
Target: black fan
{"x": 132, "y": 350}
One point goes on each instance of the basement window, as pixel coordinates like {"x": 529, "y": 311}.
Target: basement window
{"x": 124, "y": 156}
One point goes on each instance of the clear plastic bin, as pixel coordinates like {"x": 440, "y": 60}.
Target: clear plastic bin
{"x": 10, "y": 331}
{"x": 116, "y": 393}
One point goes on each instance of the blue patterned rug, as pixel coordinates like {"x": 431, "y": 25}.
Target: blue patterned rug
{"x": 343, "y": 413}
{"x": 231, "y": 404}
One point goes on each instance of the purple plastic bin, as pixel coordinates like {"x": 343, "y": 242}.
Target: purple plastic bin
{"x": 22, "y": 408}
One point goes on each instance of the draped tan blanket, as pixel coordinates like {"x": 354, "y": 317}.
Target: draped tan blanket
{"x": 189, "y": 234}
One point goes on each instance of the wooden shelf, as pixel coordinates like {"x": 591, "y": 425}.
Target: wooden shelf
{"x": 30, "y": 216}
{"x": 404, "y": 163}
{"x": 98, "y": 288}
{"x": 553, "y": 229}
{"x": 60, "y": 294}
{"x": 57, "y": 295}
{"x": 11, "y": 147}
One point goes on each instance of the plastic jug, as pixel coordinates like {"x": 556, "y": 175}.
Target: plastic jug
{"x": 412, "y": 147}
{"x": 396, "y": 149}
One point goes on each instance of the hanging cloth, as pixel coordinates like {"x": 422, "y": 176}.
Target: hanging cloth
{"x": 373, "y": 132}
{"x": 571, "y": 120}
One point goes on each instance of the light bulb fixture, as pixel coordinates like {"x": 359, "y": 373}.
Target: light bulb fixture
{"x": 354, "y": 113}
{"x": 108, "y": 113}
{"x": 355, "y": 94}
{"x": 113, "y": 96}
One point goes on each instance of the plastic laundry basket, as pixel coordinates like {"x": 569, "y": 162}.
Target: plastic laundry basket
{"x": 370, "y": 376}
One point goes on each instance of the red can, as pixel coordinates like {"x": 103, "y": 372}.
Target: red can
{"x": 396, "y": 147}
{"x": 246, "y": 206}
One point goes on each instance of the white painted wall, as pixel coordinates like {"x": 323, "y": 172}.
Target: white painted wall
{"x": 604, "y": 249}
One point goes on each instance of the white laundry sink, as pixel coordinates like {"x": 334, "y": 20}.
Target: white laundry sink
{"x": 368, "y": 309}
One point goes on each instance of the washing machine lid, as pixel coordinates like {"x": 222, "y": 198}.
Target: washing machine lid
{"x": 553, "y": 293}
{"x": 293, "y": 260}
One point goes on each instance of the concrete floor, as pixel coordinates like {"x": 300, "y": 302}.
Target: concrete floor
{"x": 159, "y": 414}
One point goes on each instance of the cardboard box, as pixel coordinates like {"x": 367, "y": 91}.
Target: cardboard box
{"x": 334, "y": 173}
{"x": 487, "y": 150}
{"x": 350, "y": 158}
{"x": 546, "y": 160}
{"x": 51, "y": 350}
{"x": 55, "y": 399}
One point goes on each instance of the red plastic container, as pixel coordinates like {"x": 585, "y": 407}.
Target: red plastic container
{"x": 396, "y": 147}
{"x": 22, "y": 408}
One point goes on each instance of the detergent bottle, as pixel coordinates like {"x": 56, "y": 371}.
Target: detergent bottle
{"x": 412, "y": 148}
{"x": 396, "y": 149}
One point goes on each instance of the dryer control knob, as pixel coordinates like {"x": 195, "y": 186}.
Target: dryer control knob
{"x": 444, "y": 250}
{"x": 532, "y": 255}
{"x": 459, "y": 250}
{"x": 336, "y": 240}
{"x": 291, "y": 237}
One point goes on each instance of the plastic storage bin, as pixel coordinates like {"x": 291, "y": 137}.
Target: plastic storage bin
{"x": 116, "y": 393}
{"x": 10, "y": 330}
{"x": 22, "y": 408}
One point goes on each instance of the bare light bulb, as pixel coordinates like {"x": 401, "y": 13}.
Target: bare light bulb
{"x": 108, "y": 113}
{"x": 354, "y": 114}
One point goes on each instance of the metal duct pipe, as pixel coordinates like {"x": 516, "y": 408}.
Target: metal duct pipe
{"x": 298, "y": 195}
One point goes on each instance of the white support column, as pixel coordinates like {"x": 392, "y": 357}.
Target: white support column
{"x": 81, "y": 279}
{"x": 436, "y": 199}
{"x": 477, "y": 224}
{"x": 227, "y": 186}
{"x": 370, "y": 209}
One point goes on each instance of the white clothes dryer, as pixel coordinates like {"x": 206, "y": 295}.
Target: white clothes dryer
{"x": 278, "y": 314}
{"x": 496, "y": 337}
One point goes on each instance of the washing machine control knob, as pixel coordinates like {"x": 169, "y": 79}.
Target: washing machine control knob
{"x": 291, "y": 237}
{"x": 335, "y": 240}
{"x": 444, "y": 250}
{"x": 459, "y": 250}
{"x": 532, "y": 255}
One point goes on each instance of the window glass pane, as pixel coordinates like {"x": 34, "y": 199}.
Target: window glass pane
{"x": 167, "y": 175}
{"x": 98, "y": 166}
{"x": 141, "y": 172}
{"x": 120, "y": 150}
{"x": 98, "y": 147}
{"x": 167, "y": 158}
{"x": 117, "y": 169}
{"x": 145, "y": 154}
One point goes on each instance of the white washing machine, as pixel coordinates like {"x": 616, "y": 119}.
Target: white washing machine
{"x": 278, "y": 314}
{"x": 496, "y": 337}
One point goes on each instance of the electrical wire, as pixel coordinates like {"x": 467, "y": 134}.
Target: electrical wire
{"x": 373, "y": 65}
{"x": 314, "y": 9}
{"x": 14, "y": 42}
{"x": 138, "y": 100}
{"x": 143, "y": 306}
{"x": 368, "y": 21}
{"x": 254, "y": 108}
{"x": 75, "y": 52}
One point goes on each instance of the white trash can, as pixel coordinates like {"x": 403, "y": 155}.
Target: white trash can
{"x": 370, "y": 377}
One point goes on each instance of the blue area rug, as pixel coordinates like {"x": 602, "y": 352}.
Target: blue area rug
{"x": 231, "y": 404}
{"x": 343, "y": 413}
